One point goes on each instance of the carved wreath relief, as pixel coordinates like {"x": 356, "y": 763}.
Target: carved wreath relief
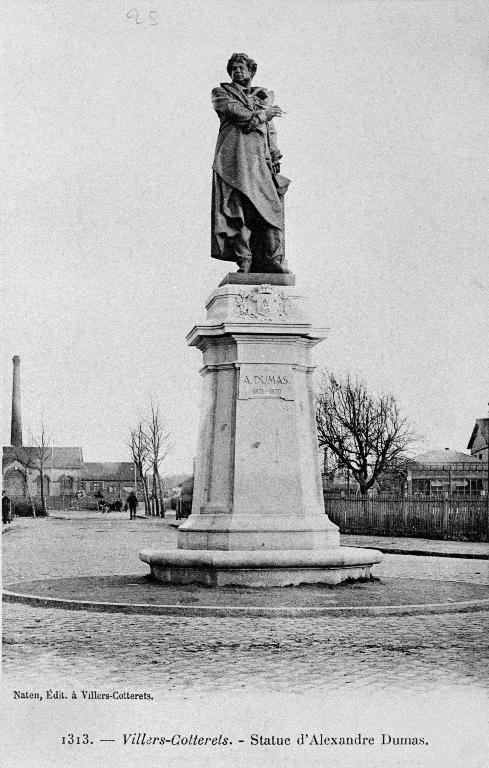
{"x": 263, "y": 302}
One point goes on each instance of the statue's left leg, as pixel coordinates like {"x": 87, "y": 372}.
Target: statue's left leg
{"x": 272, "y": 249}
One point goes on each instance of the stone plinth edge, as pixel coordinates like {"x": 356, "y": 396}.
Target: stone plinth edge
{"x": 257, "y": 278}
{"x": 277, "y": 568}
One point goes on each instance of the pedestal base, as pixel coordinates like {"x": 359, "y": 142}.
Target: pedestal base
{"x": 258, "y": 532}
{"x": 273, "y": 568}
{"x": 258, "y": 517}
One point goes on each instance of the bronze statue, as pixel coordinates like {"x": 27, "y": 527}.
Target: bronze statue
{"x": 247, "y": 189}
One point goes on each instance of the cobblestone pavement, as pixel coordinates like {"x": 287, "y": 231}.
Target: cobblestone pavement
{"x": 402, "y": 675}
{"x": 177, "y": 653}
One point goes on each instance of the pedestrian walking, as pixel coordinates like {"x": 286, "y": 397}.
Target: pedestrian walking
{"x": 132, "y": 503}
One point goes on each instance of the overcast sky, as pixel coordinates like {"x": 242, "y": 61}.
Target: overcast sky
{"x": 106, "y": 202}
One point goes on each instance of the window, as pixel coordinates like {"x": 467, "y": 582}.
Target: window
{"x": 421, "y": 487}
{"x": 66, "y": 484}
{"x": 475, "y": 487}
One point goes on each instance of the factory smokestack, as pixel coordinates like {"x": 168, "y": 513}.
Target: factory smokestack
{"x": 16, "y": 427}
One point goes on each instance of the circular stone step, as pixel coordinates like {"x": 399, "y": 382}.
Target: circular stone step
{"x": 140, "y": 594}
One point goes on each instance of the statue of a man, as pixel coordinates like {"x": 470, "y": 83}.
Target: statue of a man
{"x": 247, "y": 189}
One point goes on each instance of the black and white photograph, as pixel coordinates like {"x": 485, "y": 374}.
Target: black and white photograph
{"x": 245, "y": 384}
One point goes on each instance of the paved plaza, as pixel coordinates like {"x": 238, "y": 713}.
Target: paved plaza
{"x": 368, "y": 667}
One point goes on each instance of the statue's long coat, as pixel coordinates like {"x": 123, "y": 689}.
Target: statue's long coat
{"x": 242, "y": 164}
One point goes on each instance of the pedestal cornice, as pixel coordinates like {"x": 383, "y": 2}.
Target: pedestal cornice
{"x": 206, "y": 330}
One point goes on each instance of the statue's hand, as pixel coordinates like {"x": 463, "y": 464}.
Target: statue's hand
{"x": 272, "y": 112}
{"x": 276, "y": 157}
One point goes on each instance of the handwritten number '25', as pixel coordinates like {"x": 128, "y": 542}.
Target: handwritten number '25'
{"x": 133, "y": 15}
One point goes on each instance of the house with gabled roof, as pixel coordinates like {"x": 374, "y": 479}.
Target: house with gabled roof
{"x": 479, "y": 439}
{"x": 61, "y": 469}
{"x": 112, "y": 479}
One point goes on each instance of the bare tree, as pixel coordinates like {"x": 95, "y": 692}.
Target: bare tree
{"x": 140, "y": 456}
{"x": 150, "y": 444}
{"x": 41, "y": 454}
{"x": 159, "y": 443}
{"x": 23, "y": 455}
{"x": 362, "y": 433}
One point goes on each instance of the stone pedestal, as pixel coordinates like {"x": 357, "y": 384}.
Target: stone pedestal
{"x": 258, "y": 512}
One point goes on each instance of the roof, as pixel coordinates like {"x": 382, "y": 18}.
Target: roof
{"x": 481, "y": 428}
{"x": 445, "y": 457}
{"x": 119, "y": 471}
{"x": 56, "y": 457}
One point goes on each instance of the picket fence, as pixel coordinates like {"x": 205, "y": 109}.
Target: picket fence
{"x": 457, "y": 519}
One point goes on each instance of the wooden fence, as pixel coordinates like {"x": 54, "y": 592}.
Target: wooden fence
{"x": 22, "y": 507}
{"x": 458, "y": 519}
{"x": 69, "y": 502}
{"x": 184, "y": 508}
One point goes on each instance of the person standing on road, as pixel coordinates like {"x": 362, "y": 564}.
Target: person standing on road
{"x": 132, "y": 503}
{"x": 6, "y": 509}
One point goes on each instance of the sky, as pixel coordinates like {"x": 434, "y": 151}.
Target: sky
{"x": 106, "y": 184}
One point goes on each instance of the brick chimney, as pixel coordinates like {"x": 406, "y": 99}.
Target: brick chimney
{"x": 16, "y": 427}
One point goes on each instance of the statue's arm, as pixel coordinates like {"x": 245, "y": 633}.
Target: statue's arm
{"x": 275, "y": 153}
{"x": 272, "y": 142}
{"x": 237, "y": 112}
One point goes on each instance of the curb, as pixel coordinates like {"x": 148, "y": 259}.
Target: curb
{"x": 464, "y": 606}
{"x": 429, "y": 553}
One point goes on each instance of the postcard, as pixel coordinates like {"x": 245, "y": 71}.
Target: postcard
{"x": 230, "y": 232}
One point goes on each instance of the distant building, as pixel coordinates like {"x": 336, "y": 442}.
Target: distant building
{"x": 20, "y": 473}
{"x": 62, "y": 471}
{"x": 479, "y": 440}
{"x": 445, "y": 472}
{"x": 111, "y": 478}
{"x": 65, "y": 474}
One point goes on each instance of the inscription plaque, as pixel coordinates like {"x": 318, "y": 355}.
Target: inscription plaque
{"x": 257, "y": 380}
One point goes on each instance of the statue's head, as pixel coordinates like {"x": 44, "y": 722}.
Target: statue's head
{"x": 241, "y": 58}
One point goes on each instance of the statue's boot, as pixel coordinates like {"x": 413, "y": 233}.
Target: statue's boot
{"x": 276, "y": 265}
{"x": 244, "y": 265}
